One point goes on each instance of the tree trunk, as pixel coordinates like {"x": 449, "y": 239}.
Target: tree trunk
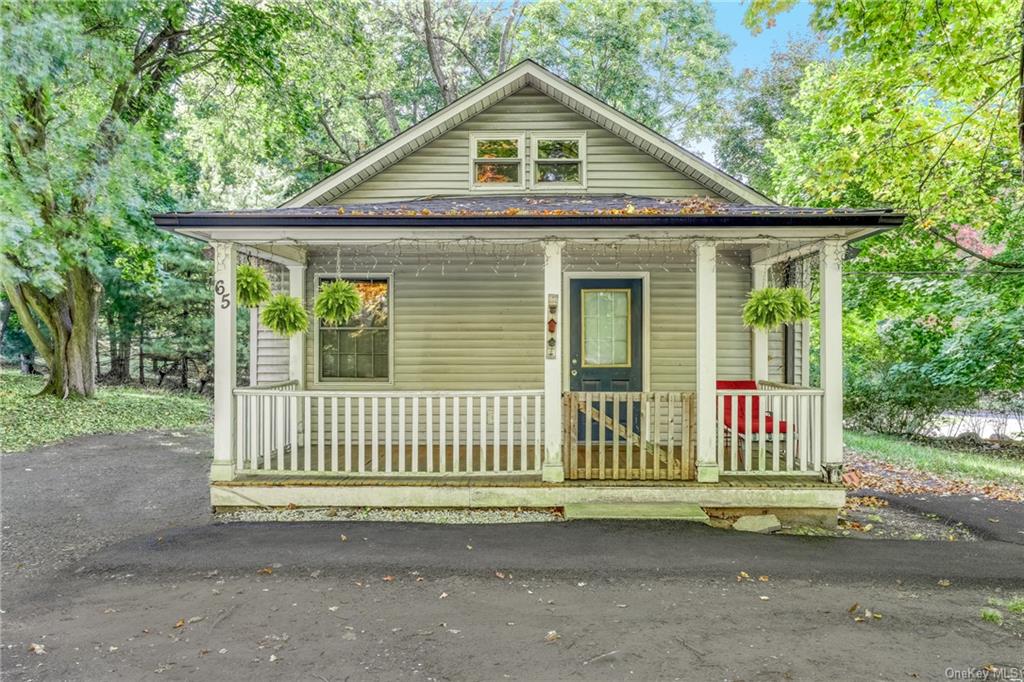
{"x": 70, "y": 317}
{"x": 142, "y": 356}
{"x": 5, "y": 316}
{"x": 28, "y": 363}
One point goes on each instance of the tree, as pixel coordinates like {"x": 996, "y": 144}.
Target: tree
{"x": 663, "y": 63}
{"x": 87, "y": 92}
{"x": 762, "y": 99}
{"x": 917, "y": 110}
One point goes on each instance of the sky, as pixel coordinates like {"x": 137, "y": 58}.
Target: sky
{"x": 753, "y": 51}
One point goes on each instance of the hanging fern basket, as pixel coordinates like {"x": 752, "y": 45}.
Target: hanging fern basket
{"x": 252, "y": 286}
{"x": 800, "y": 305}
{"x": 285, "y": 316}
{"x": 767, "y": 308}
{"x": 337, "y": 301}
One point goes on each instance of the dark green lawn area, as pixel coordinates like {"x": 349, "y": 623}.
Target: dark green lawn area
{"x": 977, "y": 466}
{"x": 27, "y": 420}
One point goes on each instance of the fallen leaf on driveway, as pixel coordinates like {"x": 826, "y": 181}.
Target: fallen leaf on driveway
{"x": 763, "y": 578}
{"x": 180, "y": 623}
{"x": 266, "y": 570}
{"x": 552, "y": 636}
{"x": 344, "y": 538}
{"x": 388, "y": 578}
{"x": 944, "y": 583}
{"x": 853, "y": 608}
{"x": 444, "y": 595}
{"x": 38, "y": 649}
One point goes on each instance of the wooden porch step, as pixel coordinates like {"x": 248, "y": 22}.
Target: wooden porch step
{"x": 636, "y": 510}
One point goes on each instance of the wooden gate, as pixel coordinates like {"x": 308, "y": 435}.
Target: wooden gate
{"x": 629, "y": 436}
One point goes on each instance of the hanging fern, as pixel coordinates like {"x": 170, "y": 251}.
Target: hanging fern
{"x": 799, "y": 304}
{"x": 337, "y": 302}
{"x": 284, "y": 315}
{"x": 767, "y": 308}
{"x": 252, "y": 286}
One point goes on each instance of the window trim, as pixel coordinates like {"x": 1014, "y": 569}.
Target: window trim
{"x": 520, "y": 138}
{"x": 336, "y": 382}
{"x": 539, "y": 136}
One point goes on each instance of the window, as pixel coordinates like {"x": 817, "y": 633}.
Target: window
{"x": 360, "y": 348}
{"x": 558, "y": 161}
{"x": 606, "y": 325}
{"x": 497, "y": 161}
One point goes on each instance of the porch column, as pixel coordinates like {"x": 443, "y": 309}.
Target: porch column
{"x": 297, "y": 342}
{"x": 760, "y": 345}
{"x": 553, "y": 470}
{"x": 831, "y": 325}
{"x": 225, "y": 257}
{"x": 707, "y": 361}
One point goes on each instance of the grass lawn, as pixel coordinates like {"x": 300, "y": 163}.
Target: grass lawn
{"x": 972, "y": 465}
{"x": 27, "y": 420}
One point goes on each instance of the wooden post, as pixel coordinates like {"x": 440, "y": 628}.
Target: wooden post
{"x": 759, "y": 349}
{"x": 554, "y": 469}
{"x": 297, "y": 342}
{"x": 831, "y": 325}
{"x": 707, "y": 361}
{"x": 225, "y": 256}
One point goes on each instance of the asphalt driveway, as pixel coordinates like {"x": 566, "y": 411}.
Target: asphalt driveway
{"x": 114, "y": 569}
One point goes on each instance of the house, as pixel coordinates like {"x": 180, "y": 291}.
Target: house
{"x": 552, "y": 300}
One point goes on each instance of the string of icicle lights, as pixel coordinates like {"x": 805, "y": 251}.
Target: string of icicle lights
{"x": 512, "y": 257}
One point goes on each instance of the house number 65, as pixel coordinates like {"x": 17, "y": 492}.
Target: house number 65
{"x": 225, "y": 297}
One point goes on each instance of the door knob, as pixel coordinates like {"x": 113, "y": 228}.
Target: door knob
{"x": 573, "y": 372}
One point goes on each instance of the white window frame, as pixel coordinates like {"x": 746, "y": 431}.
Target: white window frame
{"x": 536, "y": 137}
{"x": 335, "y": 382}
{"x": 520, "y": 138}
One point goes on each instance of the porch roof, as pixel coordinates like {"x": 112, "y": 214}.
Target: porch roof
{"x": 520, "y": 210}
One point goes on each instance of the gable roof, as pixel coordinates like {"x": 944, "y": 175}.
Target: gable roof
{"x": 527, "y": 73}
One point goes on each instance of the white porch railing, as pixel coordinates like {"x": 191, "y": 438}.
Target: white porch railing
{"x": 280, "y": 430}
{"x": 773, "y": 430}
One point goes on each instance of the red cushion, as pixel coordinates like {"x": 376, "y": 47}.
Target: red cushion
{"x": 741, "y": 412}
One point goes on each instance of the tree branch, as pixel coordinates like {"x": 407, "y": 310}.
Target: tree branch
{"x": 21, "y": 299}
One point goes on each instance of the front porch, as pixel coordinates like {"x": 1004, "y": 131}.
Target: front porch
{"x": 766, "y": 444}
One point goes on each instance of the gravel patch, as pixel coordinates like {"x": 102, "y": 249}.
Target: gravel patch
{"x": 454, "y": 516}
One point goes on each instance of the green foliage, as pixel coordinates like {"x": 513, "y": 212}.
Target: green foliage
{"x": 284, "y": 315}
{"x": 976, "y": 466}
{"x": 992, "y": 616}
{"x": 662, "y": 62}
{"x": 252, "y": 286}
{"x": 337, "y": 301}
{"x": 761, "y": 100}
{"x": 799, "y": 304}
{"x": 28, "y": 420}
{"x": 767, "y": 308}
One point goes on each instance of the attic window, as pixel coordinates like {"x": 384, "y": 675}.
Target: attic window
{"x": 498, "y": 161}
{"x": 559, "y": 161}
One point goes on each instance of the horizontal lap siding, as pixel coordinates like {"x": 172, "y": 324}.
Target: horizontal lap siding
{"x": 271, "y": 349}
{"x": 457, "y": 324}
{"x": 442, "y": 166}
{"x": 673, "y": 313}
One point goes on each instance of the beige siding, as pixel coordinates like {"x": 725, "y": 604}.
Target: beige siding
{"x": 271, "y": 353}
{"x": 457, "y": 323}
{"x": 443, "y": 166}
{"x": 673, "y": 314}
{"x": 471, "y": 327}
